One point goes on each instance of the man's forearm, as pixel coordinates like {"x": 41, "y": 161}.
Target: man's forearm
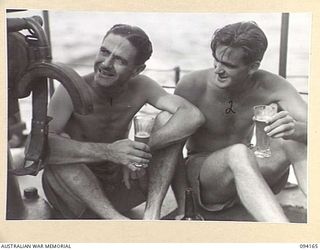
{"x": 178, "y": 128}
{"x": 67, "y": 151}
{"x": 300, "y": 134}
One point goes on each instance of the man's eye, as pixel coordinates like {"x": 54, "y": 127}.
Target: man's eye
{"x": 228, "y": 66}
{"x": 104, "y": 51}
{"x": 121, "y": 61}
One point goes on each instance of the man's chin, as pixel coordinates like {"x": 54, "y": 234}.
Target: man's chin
{"x": 104, "y": 82}
{"x": 223, "y": 84}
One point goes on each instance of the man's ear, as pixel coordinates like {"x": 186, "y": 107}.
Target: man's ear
{"x": 138, "y": 69}
{"x": 254, "y": 67}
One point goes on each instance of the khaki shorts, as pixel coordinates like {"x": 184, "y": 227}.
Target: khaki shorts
{"x": 193, "y": 164}
{"x": 110, "y": 177}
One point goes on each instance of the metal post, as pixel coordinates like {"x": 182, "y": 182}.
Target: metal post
{"x": 15, "y": 206}
{"x": 45, "y": 14}
{"x": 177, "y": 74}
{"x": 284, "y": 44}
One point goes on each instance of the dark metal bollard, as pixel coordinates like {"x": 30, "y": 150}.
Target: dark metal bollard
{"x": 35, "y": 207}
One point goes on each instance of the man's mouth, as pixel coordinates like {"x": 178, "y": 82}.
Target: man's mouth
{"x": 105, "y": 73}
{"x": 222, "y": 77}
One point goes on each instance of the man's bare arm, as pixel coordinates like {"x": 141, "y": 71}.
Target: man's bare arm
{"x": 291, "y": 121}
{"x": 186, "y": 118}
{"x": 292, "y": 129}
{"x": 124, "y": 152}
{"x": 63, "y": 150}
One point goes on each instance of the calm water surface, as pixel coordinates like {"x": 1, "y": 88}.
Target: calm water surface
{"x": 179, "y": 39}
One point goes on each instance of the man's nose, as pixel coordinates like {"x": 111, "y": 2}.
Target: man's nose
{"x": 218, "y": 68}
{"x": 107, "y": 62}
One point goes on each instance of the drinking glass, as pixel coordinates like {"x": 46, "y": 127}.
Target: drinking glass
{"x": 262, "y": 115}
{"x": 142, "y": 129}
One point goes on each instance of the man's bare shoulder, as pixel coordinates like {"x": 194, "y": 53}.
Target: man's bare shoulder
{"x": 268, "y": 77}
{"x": 194, "y": 82}
{"x": 271, "y": 81}
{"x": 141, "y": 81}
{"x": 145, "y": 87}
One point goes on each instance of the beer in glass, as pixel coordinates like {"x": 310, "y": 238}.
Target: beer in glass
{"x": 262, "y": 115}
{"x": 142, "y": 128}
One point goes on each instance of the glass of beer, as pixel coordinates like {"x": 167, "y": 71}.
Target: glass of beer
{"x": 262, "y": 115}
{"x": 142, "y": 128}
{"x": 143, "y": 125}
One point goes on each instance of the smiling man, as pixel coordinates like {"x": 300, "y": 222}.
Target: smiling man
{"x": 91, "y": 158}
{"x": 221, "y": 167}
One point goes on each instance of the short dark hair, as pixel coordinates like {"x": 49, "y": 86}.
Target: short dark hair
{"x": 137, "y": 37}
{"x": 245, "y": 35}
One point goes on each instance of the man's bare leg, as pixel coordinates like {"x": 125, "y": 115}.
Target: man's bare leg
{"x": 297, "y": 155}
{"x": 235, "y": 170}
{"x": 83, "y": 184}
{"x": 179, "y": 184}
{"x": 160, "y": 173}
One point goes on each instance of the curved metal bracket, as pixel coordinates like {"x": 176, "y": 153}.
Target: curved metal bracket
{"x": 34, "y": 79}
{"x": 74, "y": 84}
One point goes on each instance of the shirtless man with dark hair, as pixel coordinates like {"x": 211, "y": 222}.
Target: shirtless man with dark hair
{"x": 220, "y": 166}
{"x": 91, "y": 158}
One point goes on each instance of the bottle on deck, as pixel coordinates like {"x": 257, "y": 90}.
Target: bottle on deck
{"x": 190, "y": 209}
{"x": 36, "y": 208}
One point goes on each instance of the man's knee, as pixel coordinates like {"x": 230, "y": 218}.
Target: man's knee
{"x": 161, "y": 119}
{"x": 237, "y": 150}
{"x": 239, "y": 153}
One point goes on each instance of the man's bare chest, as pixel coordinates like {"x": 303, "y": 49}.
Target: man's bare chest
{"x": 115, "y": 113}
{"x": 227, "y": 115}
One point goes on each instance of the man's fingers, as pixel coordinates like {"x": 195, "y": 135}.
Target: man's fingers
{"x": 141, "y": 146}
{"x": 139, "y": 160}
{"x": 126, "y": 178}
{"x": 133, "y": 166}
{"x": 286, "y": 129}
{"x": 278, "y": 116}
{"x": 278, "y": 123}
{"x": 141, "y": 154}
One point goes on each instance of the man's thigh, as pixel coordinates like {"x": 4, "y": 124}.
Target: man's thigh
{"x": 124, "y": 199}
{"x": 121, "y": 198}
{"x": 110, "y": 177}
{"x": 210, "y": 176}
{"x": 216, "y": 179}
{"x": 66, "y": 202}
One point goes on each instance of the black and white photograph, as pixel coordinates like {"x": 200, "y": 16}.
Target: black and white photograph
{"x": 157, "y": 116}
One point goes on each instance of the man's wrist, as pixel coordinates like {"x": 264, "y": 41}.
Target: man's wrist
{"x": 107, "y": 152}
{"x": 299, "y": 134}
